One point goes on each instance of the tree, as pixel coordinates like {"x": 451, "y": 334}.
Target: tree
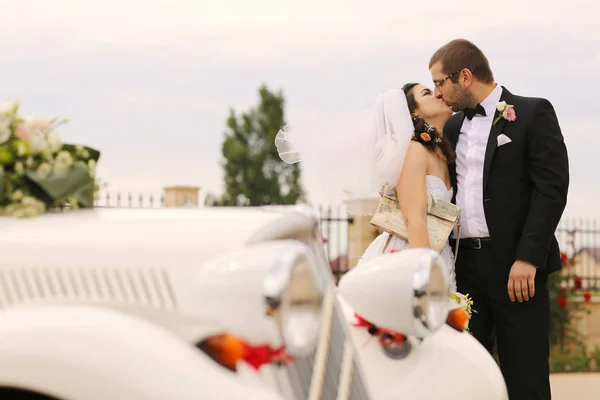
{"x": 254, "y": 173}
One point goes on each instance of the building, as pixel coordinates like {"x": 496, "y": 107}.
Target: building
{"x": 181, "y": 196}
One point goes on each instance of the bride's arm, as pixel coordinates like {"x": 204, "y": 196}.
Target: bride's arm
{"x": 412, "y": 194}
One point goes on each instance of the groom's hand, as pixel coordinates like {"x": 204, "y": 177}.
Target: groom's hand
{"x": 521, "y": 281}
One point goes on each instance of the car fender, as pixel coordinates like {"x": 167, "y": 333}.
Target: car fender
{"x": 448, "y": 364}
{"x": 92, "y": 353}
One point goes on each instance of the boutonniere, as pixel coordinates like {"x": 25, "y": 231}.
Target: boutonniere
{"x": 507, "y": 111}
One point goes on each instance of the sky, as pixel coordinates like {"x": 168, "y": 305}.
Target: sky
{"x": 150, "y": 83}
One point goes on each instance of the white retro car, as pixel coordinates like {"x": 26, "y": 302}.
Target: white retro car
{"x": 221, "y": 303}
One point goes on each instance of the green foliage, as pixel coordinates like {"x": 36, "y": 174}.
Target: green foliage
{"x": 562, "y": 313}
{"x": 568, "y": 351}
{"x": 254, "y": 173}
{"x": 576, "y": 359}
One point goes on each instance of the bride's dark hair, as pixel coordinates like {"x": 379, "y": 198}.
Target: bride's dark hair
{"x": 426, "y": 134}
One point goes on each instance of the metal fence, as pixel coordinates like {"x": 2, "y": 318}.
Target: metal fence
{"x": 130, "y": 200}
{"x": 335, "y": 222}
{"x": 579, "y": 240}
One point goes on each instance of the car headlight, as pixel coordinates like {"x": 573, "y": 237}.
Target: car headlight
{"x": 294, "y": 299}
{"x": 267, "y": 292}
{"x": 406, "y": 292}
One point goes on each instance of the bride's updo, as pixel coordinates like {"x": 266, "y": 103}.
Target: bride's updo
{"x": 426, "y": 134}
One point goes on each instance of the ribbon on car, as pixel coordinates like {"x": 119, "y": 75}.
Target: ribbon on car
{"x": 386, "y": 337}
{"x": 257, "y": 356}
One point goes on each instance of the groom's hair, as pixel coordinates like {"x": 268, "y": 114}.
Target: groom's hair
{"x": 459, "y": 54}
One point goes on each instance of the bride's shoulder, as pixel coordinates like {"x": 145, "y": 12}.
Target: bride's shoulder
{"x": 417, "y": 149}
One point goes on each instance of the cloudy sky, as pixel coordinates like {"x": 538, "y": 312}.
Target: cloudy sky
{"x": 150, "y": 82}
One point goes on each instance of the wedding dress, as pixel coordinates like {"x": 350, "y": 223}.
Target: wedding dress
{"x": 358, "y": 155}
{"x": 437, "y": 188}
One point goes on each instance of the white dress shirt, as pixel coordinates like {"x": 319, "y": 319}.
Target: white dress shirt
{"x": 470, "y": 154}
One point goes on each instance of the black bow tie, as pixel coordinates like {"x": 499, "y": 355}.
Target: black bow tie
{"x": 471, "y": 112}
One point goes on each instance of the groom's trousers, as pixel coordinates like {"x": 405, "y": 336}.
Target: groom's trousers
{"x": 521, "y": 329}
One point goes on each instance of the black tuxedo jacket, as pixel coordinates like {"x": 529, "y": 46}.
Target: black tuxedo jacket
{"x": 525, "y": 182}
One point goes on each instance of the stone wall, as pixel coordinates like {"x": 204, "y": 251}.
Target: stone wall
{"x": 587, "y": 322}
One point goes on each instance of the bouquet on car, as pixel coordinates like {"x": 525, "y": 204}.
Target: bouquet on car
{"x": 460, "y": 311}
{"x": 37, "y": 171}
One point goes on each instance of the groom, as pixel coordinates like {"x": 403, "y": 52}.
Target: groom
{"x": 511, "y": 178}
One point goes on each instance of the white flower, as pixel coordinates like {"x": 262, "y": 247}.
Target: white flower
{"x": 41, "y": 123}
{"x": 54, "y": 142}
{"x": 501, "y": 106}
{"x": 25, "y": 208}
{"x": 7, "y": 107}
{"x": 5, "y": 132}
{"x": 19, "y": 168}
{"x": 82, "y": 152}
{"x": 38, "y": 142}
{"x": 29, "y": 201}
{"x": 29, "y": 161}
{"x": 63, "y": 161}
{"x": 44, "y": 139}
{"x": 17, "y": 195}
{"x": 44, "y": 170}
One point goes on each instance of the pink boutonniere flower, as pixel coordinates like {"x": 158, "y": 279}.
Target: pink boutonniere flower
{"x": 507, "y": 111}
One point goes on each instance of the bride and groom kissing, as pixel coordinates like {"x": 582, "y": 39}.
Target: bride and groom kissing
{"x": 502, "y": 160}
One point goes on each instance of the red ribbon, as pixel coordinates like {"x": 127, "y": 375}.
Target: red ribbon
{"x": 257, "y": 356}
{"x": 386, "y": 337}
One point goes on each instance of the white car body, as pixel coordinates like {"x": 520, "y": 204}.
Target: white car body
{"x": 109, "y": 303}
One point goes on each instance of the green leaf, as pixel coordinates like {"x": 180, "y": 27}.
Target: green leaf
{"x": 71, "y": 148}
{"x": 2, "y": 176}
{"x": 85, "y": 196}
{"x": 75, "y": 181}
{"x": 455, "y": 297}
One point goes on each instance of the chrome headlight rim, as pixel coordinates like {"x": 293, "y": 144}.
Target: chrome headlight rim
{"x": 431, "y": 291}
{"x": 293, "y": 296}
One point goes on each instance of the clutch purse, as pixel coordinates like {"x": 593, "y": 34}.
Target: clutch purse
{"x": 442, "y": 216}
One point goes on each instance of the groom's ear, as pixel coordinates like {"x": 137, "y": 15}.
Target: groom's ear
{"x": 466, "y": 76}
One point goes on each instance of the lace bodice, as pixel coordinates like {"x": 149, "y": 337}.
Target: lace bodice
{"x": 438, "y": 188}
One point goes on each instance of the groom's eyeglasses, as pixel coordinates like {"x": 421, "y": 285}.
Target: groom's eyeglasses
{"x": 439, "y": 82}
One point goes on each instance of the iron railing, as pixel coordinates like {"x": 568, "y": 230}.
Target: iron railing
{"x": 579, "y": 240}
{"x": 130, "y": 200}
{"x": 335, "y": 222}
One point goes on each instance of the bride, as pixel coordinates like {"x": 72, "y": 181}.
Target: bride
{"x": 398, "y": 142}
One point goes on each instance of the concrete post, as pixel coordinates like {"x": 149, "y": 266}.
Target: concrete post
{"x": 361, "y": 233}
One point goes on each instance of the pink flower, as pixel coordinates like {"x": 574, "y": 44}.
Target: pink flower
{"x": 425, "y": 137}
{"x": 509, "y": 113}
{"x": 41, "y": 123}
{"x": 23, "y": 132}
